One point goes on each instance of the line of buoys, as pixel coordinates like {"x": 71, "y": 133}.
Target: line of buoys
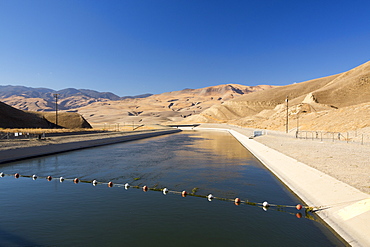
{"x": 165, "y": 191}
{"x": 237, "y": 201}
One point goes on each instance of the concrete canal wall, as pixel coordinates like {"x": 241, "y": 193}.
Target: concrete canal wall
{"x": 344, "y": 208}
{"x": 30, "y": 152}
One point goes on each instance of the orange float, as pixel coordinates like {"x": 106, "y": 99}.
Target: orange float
{"x": 237, "y": 201}
{"x": 16, "y": 175}
{"x": 298, "y": 207}
{"x": 76, "y": 180}
{"x": 49, "y": 178}
{"x": 145, "y": 188}
{"x": 110, "y": 184}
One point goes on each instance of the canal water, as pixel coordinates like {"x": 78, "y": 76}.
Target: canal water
{"x": 50, "y": 213}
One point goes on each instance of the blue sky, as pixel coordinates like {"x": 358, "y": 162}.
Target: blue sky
{"x": 132, "y": 47}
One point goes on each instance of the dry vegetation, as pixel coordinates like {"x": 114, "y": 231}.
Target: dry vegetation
{"x": 166, "y": 107}
{"x": 14, "y": 118}
{"x": 335, "y": 103}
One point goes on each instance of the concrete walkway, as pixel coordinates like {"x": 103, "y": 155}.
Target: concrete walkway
{"x": 344, "y": 208}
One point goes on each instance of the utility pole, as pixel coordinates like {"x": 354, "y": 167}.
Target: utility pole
{"x": 297, "y": 132}
{"x": 287, "y": 118}
{"x": 56, "y": 109}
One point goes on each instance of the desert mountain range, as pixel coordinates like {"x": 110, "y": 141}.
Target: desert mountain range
{"x": 163, "y": 108}
{"x": 43, "y": 99}
{"x": 335, "y": 103}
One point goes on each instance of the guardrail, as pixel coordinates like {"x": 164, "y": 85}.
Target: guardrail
{"x": 348, "y": 137}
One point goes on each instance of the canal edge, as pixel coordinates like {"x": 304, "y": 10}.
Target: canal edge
{"x": 37, "y": 151}
{"x": 316, "y": 189}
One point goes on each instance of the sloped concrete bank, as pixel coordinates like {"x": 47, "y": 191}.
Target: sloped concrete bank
{"x": 35, "y": 151}
{"x": 344, "y": 208}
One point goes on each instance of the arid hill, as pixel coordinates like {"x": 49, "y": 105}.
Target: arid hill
{"x": 14, "y": 118}
{"x": 43, "y": 99}
{"x": 334, "y": 103}
{"x": 161, "y": 108}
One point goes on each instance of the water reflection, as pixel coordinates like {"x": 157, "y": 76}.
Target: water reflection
{"x": 60, "y": 214}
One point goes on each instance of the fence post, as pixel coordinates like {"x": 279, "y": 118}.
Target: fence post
{"x": 362, "y": 139}
{"x": 347, "y": 137}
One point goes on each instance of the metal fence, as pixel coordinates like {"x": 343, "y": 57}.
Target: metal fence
{"x": 348, "y": 137}
{"x": 117, "y": 126}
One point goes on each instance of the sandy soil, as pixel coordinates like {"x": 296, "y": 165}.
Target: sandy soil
{"x": 346, "y": 162}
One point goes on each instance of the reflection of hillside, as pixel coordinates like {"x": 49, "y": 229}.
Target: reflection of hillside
{"x": 222, "y": 143}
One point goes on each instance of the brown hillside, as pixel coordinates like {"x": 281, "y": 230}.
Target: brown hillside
{"x": 28, "y": 104}
{"x": 160, "y": 108}
{"x": 349, "y": 88}
{"x": 322, "y": 104}
{"x": 14, "y": 118}
{"x": 68, "y": 120}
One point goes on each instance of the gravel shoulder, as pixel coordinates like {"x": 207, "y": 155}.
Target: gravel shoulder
{"x": 348, "y": 163}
